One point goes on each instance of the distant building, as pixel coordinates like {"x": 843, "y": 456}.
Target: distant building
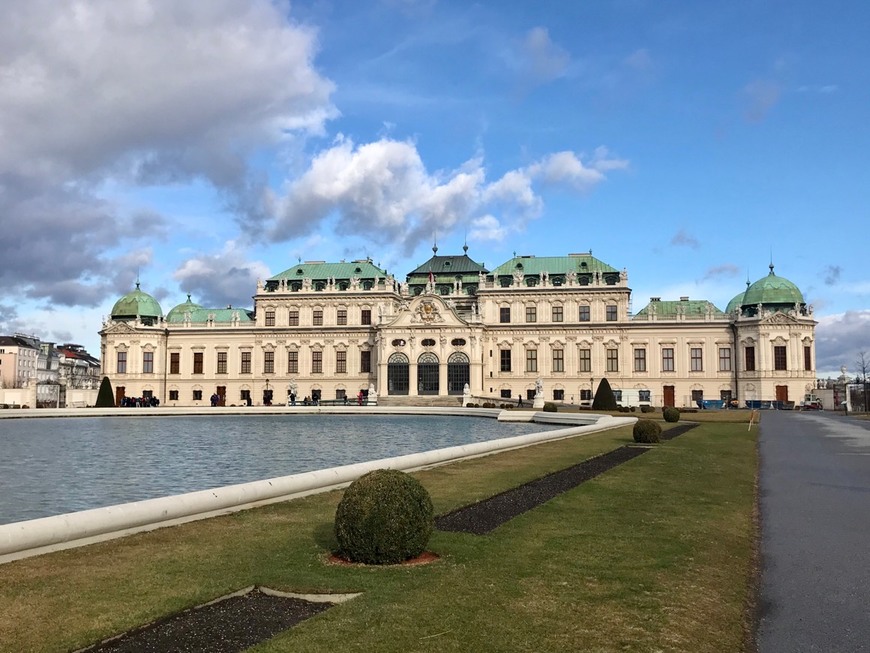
{"x": 334, "y": 330}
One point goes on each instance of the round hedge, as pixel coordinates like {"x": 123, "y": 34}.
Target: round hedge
{"x": 646, "y": 431}
{"x": 671, "y": 414}
{"x": 384, "y": 517}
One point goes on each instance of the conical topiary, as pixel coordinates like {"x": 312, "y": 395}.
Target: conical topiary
{"x": 105, "y": 397}
{"x": 604, "y": 397}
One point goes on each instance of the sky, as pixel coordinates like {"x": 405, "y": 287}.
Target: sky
{"x": 200, "y": 146}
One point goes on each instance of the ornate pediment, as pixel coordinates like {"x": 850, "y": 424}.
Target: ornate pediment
{"x": 426, "y": 311}
{"x": 118, "y": 328}
{"x": 779, "y": 319}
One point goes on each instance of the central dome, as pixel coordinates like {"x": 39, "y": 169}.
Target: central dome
{"x": 136, "y": 304}
{"x": 772, "y": 290}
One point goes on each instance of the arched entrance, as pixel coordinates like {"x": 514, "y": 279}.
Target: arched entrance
{"x": 458, "y": 373}
{"x": 397, "y": 374}
{"x": 427, "y": 374}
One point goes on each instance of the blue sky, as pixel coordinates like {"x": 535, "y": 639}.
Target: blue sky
{"x": 201, "y": 146}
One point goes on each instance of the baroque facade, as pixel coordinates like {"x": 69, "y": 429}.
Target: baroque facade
{"x": 326, "y": 331}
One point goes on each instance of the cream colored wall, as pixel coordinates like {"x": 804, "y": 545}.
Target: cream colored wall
{"x": 484, "y": 338}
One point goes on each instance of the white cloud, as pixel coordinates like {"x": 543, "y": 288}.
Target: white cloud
{"x": 143, "y": 92}
{"x": 542, "y": 60}
{"x": 221, "y": 279}
{"x": 839, "y": 340}
{"x": 761, "y": 96}
{"x": 382, "y": 192}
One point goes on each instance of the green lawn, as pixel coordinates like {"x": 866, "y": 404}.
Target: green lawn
{"x": 655, "y": 555}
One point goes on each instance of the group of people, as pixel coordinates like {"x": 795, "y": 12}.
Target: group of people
{"x": 140, "y": 402}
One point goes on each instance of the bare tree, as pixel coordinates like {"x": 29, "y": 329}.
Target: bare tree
{"x": 863, "y": 367}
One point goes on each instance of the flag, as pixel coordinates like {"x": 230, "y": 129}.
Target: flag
{"x": 431, "y": 277}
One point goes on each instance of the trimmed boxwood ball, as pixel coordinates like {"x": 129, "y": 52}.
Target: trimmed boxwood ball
{"x": 646, "y": 431}
{"x": 384, "y": 517}
{"x": 550, "y": 407}
{"x": 671, "y": 414}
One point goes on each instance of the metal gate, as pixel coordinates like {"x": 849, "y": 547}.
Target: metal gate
{"x": 458, "y": 373}
{"x": 397, "y": 374}
{"x": 427, "y": 374}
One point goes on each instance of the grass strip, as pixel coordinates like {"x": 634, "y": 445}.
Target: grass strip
{"x": 653, "y": 555}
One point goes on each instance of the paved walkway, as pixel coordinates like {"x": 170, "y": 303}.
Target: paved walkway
{"x": 815, "y": 540}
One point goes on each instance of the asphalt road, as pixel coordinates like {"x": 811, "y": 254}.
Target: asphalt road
{"x": 815, "y": 533}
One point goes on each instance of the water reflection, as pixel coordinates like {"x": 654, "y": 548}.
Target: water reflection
{"x": 55, "y": 466}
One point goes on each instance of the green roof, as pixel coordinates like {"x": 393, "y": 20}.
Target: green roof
{"x": 453, "y": 266}
{"x": 772, "y": 290}
{"x": 136, "y": 303}
{"x": 201, "y": 315}
{"x": 181, "y": 309}
{"x": 670, "y": 309}
{"x": 321, "y": 270}
{"x": 530, "y": 265}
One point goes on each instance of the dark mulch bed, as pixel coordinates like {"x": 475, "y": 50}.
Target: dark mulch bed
{"x": 228, "y": 626}
{"x": 487, "y": 515}
{"x": 674, "y": 431}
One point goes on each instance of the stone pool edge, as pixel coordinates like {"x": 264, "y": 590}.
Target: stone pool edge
{"x": 38, "y": 536}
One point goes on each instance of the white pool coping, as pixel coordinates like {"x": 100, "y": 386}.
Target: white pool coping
{"x": 37, "y": 536}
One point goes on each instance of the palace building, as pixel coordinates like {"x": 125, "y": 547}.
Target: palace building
{"x": 329, "y": 331}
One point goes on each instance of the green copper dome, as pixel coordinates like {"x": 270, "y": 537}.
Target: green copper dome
{"x": 176, "y": 314}
{"x": 735, "y": 303}
{"x": 136, "y": 304}
{"x": 772, "y": 290}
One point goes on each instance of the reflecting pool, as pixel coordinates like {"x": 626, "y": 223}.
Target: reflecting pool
{"x": 55, "y": 466}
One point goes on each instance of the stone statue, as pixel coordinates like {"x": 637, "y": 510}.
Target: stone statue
{"x": 539, "y": 387}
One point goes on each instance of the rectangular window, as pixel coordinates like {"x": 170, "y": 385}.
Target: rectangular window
{"x": 644, "y": 395}
{"x": 122, "y": 362}
{"x": 365, "y": 362}
{"x": 750, "y": 359}
{"x": 611, "y": 312}
{"x": 365, "y": 316}
{"x": 244, "y": 395}
{"x": 558, "y": 360}
{"x": 294, "y": 317}
{"x": 505, "y": 394}
{"x": 505, "y": 360}
{"x": 531, "y": 314}
{"x": 585, "y": 362}
{"x": 222, "y": 362}
{"x": 557, "y": 314}
{"x": 175, "y": 363}
{"x": 612, "y": 360}
{"x": 197, "y": 362}
{"x": 585, "y": 395}
{"x": 197, "y": 395}
{"x": 317, "y": 362}
{"x": 779, "y": 358}
{"x": 270, "y": 318}
{"x": 640, "y": 360}
{"x": 724, "y": 359}
{"x": 246, "y": 362}
{"x": 531, "y": 360}
{"x": 667, "y": 359}
{"x": 341, "y": 316}
{"x": 318, "y": 317}
{"x": 559, "y": 395}
{"x": 584, "y": 314}
{"x": 696, "y": 359}
{"x": 268, "y": 362}
{"x": 808, "y": 359}
{"x": 341, "y": 362}
{"x": 148, "y": 362}
{"x": 697, "y": 396}
{"x": 292, "y": 362}
{"x": 173, "y": 395}
{"x": 504, "y": 314}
